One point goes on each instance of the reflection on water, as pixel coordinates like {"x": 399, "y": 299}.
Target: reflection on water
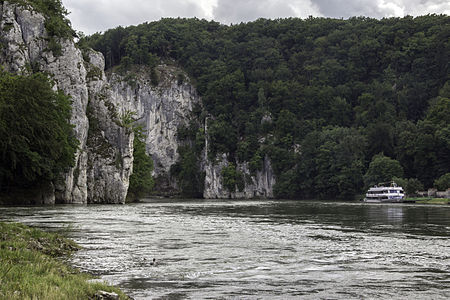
{"x": 259, "y": 249}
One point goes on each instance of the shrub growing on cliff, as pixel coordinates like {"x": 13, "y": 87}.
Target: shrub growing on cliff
{"x": 187, "y": 172}
{"x": 36, "y": 138}
{"x": 232, "y": 178}
{"x": 141, "y": 181}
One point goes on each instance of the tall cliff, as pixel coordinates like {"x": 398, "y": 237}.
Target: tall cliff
{"x": 104, "y": 159}
{"x": 100, "y": 106}
{"x": 161, "y": 110}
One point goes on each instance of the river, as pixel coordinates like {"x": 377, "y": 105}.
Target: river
{"x": 216, "y": 249}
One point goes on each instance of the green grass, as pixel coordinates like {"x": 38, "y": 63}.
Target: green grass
{"x": 429, "y": 200}
{"x": 30, "y": 268}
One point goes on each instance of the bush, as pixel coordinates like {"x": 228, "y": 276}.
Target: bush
{"x": 443, "y": 182}
{"x": 141, "y": 181}
{"x": 232, "y": 178}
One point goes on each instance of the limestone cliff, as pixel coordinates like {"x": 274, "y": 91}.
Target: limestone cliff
{"x": 161, "y": 110}
{"x": 96, "y": 177}
{"x": 259, "y": 185}
{"x": 102, "y": 105}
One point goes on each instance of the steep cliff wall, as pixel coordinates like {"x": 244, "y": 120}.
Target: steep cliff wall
{"x": 96, "y": 177}
{"x": 258, "y": 185}
{"x": 100, "y": 106}
{"x": 161, "y": 110}
{"x": 24, "y": 48}
{"x": 109, "y": 145}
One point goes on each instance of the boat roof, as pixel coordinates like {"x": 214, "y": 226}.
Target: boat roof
{"x": 381, "y": 188}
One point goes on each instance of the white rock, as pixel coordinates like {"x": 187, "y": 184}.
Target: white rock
{"x": 104, "y": 160}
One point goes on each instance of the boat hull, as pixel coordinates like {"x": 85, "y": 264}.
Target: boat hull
{"x": 383, "y": 200}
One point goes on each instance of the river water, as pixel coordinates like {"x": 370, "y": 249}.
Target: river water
{"x": 258, "y": 249}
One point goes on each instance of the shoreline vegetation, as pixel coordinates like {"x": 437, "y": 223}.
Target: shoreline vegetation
{"x": 32, "y": 267}
{"x": 430, "y": 200}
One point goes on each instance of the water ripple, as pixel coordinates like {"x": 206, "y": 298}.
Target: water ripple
{"x": 258, "y": 249}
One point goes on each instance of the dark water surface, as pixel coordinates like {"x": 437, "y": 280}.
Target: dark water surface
{"x": 258, "y": 249}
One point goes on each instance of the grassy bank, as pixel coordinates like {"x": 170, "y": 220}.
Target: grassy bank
{"x": 30, "y": 268}
{"x": 428, "y": 200}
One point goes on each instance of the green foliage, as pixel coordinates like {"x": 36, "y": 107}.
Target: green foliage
{"x": 154, "y": 78}
{"x": 382, "y": 169}
{"x": 286, "y": 82}
{"x": 54, "y": 46}
{"x": 232, "y": 178}
{"x": 443, "y": 182}
{"x": 222, "y": 137}
{"x": 187, "y": 169}
{"x": 36, "y": 138}
{"x": 187, "y": 172}
{"x": 141, "y": 181}
{"x": 411, "y": 185}
{"x": 127, "y": 120}
{"x": 331, "y": 164}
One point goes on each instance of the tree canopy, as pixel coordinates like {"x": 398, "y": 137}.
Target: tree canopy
{"x": 36, "y": 139}
{"x": 320, "y": 96}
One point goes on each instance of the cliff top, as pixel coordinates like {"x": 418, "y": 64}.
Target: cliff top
{"x": 56, "y": 22}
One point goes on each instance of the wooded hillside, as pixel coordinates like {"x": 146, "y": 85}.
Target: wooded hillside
{"x": 322, "y": 98}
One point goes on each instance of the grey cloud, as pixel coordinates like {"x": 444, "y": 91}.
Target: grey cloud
{"x": 90, "y": 16}
{"x": 99, "y": 15}
{"x": 236, "y": 11}
{"x": 345, "y": 8}
{"x": 381, "y": 8}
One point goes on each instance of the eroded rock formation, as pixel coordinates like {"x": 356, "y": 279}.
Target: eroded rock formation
{"x": 101, "y": 107}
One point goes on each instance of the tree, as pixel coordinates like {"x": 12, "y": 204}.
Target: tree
{"x": 382, "y": 169}
{"x": 232, "y": 178}
{"x": 141, "y": 181}
{"x": 443, "y": 182}
{"x": 37, "y": 141}
{"x": 188, "y": 174}
{"x": 386, "y": 79}
{"x": 413, "y": 186}
{"x": 336, "y": 159}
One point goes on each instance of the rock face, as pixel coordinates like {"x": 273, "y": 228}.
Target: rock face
{"x": 109, "y": 144}
{"x": 102, "y": 107}
{"x": 160, "y": 110}
{"x": 94, "y": 178}
{"x": 259, "y": 185}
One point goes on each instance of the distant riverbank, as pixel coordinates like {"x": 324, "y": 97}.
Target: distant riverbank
{"x": 428, "y": 200}
{"x": 31, "y": 267}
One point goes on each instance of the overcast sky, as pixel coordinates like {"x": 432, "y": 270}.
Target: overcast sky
{"x": 91, "y": 16}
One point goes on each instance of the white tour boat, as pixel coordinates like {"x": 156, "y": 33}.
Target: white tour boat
{"x": 384, "y": 193}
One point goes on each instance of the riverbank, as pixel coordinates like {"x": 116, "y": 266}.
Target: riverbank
{"x": 429, "y": 200}
{"x": 32, "y": 267}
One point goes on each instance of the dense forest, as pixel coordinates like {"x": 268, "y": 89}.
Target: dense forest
{"x": 326, "y": 99}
